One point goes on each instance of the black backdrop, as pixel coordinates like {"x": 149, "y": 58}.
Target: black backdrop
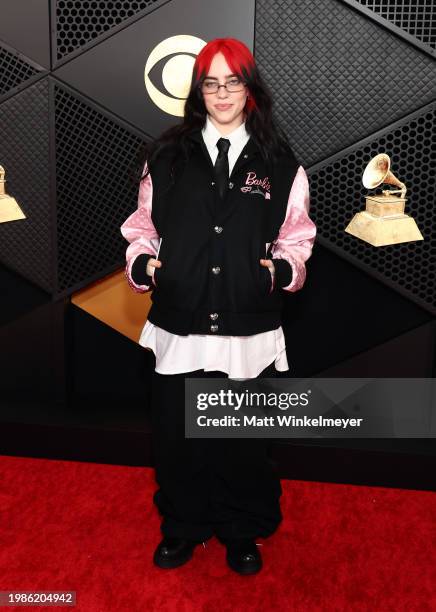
{"x": 350, "y": 79}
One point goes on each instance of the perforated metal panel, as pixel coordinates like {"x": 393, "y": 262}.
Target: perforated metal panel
{"x": 79, "y": 21}
{"x": 332, "y": 88}
{"x": 95, "y": 192}
{"x": 26, "y": 244}
{"x": 337, "y": 79}
{"x": 417, "y": 17}
{"x": 335, "y": 74}
{"x": 13, "y": 71}
{"x": 337, "y": 194}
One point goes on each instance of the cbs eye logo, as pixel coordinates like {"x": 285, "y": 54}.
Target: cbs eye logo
{"x": 176, "y": 74}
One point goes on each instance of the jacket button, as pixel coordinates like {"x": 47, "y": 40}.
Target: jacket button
{"x": 218, "y": 229}
{"x": 213, "y": 183}
{"x": 214, "y": 328}
{"x": 216, "y": 270}
{"x": 245, "y": 156}
{"x": 230, "y": 185}
{"x": 213, "y": 315}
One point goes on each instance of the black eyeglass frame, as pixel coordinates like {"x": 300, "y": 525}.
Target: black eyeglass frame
{"x": 200, "y": 86}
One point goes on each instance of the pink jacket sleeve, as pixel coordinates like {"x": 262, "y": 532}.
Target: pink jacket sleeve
{"x": 294, "y": 242}
{"x": 140, "y": 232}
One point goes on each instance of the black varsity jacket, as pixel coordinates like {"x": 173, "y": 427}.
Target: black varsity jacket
{"x": 211, "y": 280}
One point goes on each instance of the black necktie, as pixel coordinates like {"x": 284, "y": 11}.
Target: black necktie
{"x": 222, "y": 166}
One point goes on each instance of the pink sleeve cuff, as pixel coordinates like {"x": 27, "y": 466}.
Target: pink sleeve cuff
{"x": 139, "y": 231}
{"x": 296, "y": 236}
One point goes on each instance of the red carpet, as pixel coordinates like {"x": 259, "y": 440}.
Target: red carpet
{"x": 93, "y": 528}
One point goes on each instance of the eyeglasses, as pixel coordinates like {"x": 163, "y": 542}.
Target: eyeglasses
{"x": 232, "y": 86}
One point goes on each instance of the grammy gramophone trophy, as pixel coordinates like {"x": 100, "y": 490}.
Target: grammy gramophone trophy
{"x": 383, "y": 222}
{"x": 9, "y": 208}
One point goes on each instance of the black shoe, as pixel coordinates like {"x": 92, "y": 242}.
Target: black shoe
{"x": 243, "y": 556}
{"x": 173, "y": 552}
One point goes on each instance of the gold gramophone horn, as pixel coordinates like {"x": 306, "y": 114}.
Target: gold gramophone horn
{"x": 378, "y": 171}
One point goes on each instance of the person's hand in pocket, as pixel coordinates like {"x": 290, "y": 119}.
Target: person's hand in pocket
{"x": 267, "y": 263}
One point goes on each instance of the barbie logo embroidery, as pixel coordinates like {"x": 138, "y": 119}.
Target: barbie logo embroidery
{"x": 251, "y": 181}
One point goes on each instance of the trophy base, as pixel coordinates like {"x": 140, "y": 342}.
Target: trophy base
{"x": 9, "y": 209}
{"x": 382, "y": 231}
{"x": 383, "y": 206}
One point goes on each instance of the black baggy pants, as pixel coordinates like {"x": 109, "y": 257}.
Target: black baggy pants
{"x": 226, "y": 487}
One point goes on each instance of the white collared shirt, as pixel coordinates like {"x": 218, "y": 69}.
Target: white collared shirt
{"x": 238, "y": 139}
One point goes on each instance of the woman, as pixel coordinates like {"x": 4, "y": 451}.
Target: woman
{"x": 221, "y": 228}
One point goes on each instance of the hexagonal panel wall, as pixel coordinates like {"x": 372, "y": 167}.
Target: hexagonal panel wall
{"x": 344, "y": 87}
{"x": 77, "y": 23}
{"x": 338, "y": 194}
